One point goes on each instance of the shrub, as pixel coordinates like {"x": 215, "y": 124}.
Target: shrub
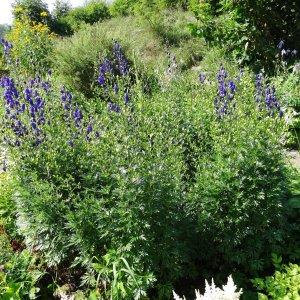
{"x": 155, "y": 185}
{"x": 91, "y": 13}
{"x": 32, "y": 44}
{"x": 141, "y": 7}
{"x": 61, "y": 8}
{"x": 60, "y": 24}
{"x": 122, "y": 7}
{"x": 19, "y": 277}
{"x": 284, "y": 284}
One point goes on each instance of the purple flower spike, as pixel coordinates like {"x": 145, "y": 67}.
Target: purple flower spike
{"x": 116, "y": 88}
{"x": 89, "y": 129}
{"x": 101, "y": 79}
{"x": 126, "y": 98}
{"x": 77, "y": 115}
{"x": 232, "y": 86}
{"x": 114, "y": 107}
{"x": 202, "y": 77}
{"x": 280, "y": 45}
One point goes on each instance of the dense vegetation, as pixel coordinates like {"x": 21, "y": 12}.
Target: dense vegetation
{"x": 145, "y": 148}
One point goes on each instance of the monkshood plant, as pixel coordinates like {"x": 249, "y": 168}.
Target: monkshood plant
{"x": 153, "y": 186}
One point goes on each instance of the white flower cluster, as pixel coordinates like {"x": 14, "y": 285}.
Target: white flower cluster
{"x": 228, "y": 292}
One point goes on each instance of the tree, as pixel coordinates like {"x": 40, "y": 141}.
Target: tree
{"x": 61, "y": 8}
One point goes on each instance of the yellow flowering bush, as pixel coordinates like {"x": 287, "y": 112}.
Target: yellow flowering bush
{"x": 32, "y": 45}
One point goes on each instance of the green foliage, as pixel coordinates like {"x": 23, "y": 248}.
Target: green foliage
{"x": 126, "y": 199}
{"x": 288, "y": 85}
{"x": 122, "y": 7}
{"x": 32, "y": 47}
{"x": 7, "y": 205}
{"x": 143, "y": 7}
{"x": 19, "y": 277}
{"x": 249, "y": 29}
{"x": 91, "y": 13}
{"x": 288, "y": 89}
{"x": 162, "y": 189}
{"x": 61, "y": 8}
{"x": 123, "y": 280}
{"x": 3, "y": 30}
{"x": 283, "y": 285}
{"x": 35, "y": 10}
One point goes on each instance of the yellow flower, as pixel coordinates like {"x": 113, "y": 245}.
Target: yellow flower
{"x": 18, "y": 9}
{"x": 44, "y": 14}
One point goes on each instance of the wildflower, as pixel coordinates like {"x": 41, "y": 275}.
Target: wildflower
{"x": 226, "y": 90}
{"x": 106, "y": 67}
{"x": 228, "y": 292}
{"x": 121, "y": 61}
{"x": 126, "y": 98}
{"x": 222, "y": 74}
{"x": 114, "y": 107}
{"x": 222, "y": 89}
{"x": 77, "y": 115}
{"x": 271, "y": 101}
{"x": 89, "y": 129}
{"x": 202, "y": 77}
{"x": 116, "y": 88}
{"x": 101, "y": 79}
{"x": 44, "y": 14}
{"x": 7, "y": 46}
{"x": 232, "y": 86}
{"x": 66, "y": 98}
{"x": 280, "y": 45}
{"x": 46, "y": 86}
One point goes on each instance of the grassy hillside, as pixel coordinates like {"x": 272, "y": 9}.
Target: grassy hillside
{"x": 151, "y": 46}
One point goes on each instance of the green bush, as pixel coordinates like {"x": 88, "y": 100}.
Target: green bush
{"x": 122, "y": 7}
{"x": 134, "y": 195}
{"x": 283, "y": 285}
{"x": 19, "y": 277}
{"x": 32, "y": 45}
{"x": 90, "y": 13}
{"x": 61, "y": 8}
{"x": 142, "y": 7}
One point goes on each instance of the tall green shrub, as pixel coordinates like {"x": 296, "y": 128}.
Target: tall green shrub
{"x": 90, "y": 13}
{"x": 156, "y": 185}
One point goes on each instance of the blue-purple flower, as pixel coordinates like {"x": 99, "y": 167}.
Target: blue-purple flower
{"x": 113, "y": 107}
{"x": 226, "y": 90}
{"x": 77, "y": 115}
{"x": 202, "y": 77}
